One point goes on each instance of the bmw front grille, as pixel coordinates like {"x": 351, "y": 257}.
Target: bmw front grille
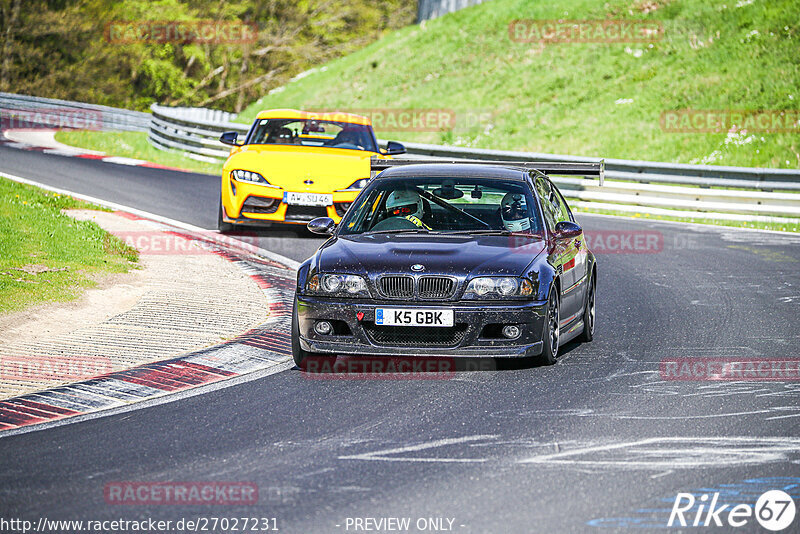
{"x": 423, "y": 287}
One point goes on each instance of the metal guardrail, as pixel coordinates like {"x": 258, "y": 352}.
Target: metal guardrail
{"x": 19, "y": 108}
{"x": 649, "y": 186}
{"x": 630, "y": 185}
{"x": 194, "y": 131}
{"x": 638, "y": 171}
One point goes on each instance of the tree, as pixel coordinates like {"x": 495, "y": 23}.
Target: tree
{"x": 63, "y": 48}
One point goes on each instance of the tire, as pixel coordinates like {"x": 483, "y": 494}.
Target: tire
{"x": 552, "y": 330}
{"x": 222, "y": 226}
{"x": 589, "y": 313}
{"x": 299, "y": 355}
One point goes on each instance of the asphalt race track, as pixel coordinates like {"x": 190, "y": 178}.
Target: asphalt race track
{"x": 601, "y": 439}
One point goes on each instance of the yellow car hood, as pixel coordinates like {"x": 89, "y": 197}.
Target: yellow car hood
{"x": 292, "y": 167}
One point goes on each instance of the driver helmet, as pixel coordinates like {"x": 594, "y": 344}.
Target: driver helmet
{"x": 514, "y": 212}
{"x": 404, "y": 203}
{"x": 282, "y": 134}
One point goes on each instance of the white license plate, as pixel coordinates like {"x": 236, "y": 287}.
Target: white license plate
{"x": 413, "y": 317}
{"x": 307, "y": 199}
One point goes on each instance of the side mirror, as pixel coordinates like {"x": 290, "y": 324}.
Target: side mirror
{"x": 393, "y": 148}
{"x": 567, "y": 229}
{"x": 229, "y": 138}
{"x": 322, "y": 225}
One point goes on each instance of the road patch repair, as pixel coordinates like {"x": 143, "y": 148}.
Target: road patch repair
{"x": 209, "y": 309}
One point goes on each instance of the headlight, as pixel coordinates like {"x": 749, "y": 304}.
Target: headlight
{"x": 358, "y": 184}
{"x": 486, "y": 287}
{"x": 248, "y": 176}
{"x": 342, "y": 285}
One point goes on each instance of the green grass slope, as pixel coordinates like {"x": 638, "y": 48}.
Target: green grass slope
{"x": 46, "y": 256}
{"x": 591, "y": 99}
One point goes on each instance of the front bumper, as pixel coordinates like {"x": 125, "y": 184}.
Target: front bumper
{"x": 467, "y": 338}
{"x": 237, "y": 210}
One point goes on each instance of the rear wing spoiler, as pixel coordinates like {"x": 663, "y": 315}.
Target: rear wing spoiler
{"x": 588, "y": 169}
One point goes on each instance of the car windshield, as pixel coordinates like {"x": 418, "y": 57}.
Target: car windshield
{"x": 312, "y": 132}
{"x": 444, "y": 205}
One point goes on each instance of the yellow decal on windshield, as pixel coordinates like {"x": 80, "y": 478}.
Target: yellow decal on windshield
{"x": 417, "y": 222}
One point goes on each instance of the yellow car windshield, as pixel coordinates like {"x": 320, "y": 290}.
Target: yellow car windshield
{"x": 313, "y": 133}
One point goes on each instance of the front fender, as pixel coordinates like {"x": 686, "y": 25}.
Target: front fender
{"x": 303, "y": 273}
{"x": 544, "y": 275}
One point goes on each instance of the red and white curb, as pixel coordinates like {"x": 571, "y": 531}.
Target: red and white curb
{"x": 260, "y": 348}
{"x": 264, "y": 348}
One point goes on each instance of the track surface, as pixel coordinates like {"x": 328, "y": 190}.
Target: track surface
{"x": 321, "y": 451}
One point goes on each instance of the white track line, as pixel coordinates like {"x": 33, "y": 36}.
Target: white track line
{"x": 124, "y": 161}
{"x": 383, "y": 455}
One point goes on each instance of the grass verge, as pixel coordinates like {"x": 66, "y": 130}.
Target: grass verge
{"x": 48, "y": 256}
{"x": 134, "y": 145}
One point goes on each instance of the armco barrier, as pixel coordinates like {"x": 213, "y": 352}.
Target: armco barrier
{"x": 639, "y": 171}
{"x": 649, "y": 187}
{"x": 109, "y": 118}
{"x": 194, "y": 131}
{"x": 652, "y": 186}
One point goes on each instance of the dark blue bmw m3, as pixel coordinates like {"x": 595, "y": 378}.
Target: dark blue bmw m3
{"x": 449, "y": 259}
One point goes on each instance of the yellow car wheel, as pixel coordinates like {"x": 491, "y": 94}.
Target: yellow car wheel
{"x": 223, "y": 226}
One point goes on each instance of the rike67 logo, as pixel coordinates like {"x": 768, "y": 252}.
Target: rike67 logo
{"x": 774, "y": 510}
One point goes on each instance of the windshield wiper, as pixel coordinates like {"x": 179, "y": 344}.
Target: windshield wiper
{"x": 399, "y": 231}
{"x": 495, "y": 232}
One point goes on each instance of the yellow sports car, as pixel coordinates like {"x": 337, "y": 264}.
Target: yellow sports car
{"x": 294, "y": 166}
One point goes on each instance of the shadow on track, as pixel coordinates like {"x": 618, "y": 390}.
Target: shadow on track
{"x": 408, "y": 367}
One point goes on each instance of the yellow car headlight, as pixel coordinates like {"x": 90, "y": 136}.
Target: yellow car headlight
{"x": 248, "y": 176}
